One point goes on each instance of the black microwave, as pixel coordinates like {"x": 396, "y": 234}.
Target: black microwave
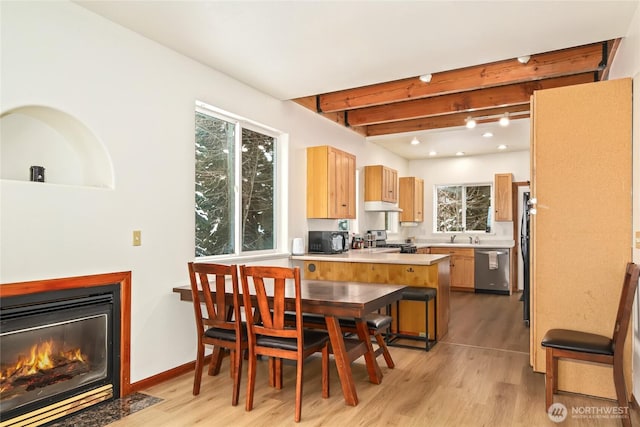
{"x": 328, "y": 242}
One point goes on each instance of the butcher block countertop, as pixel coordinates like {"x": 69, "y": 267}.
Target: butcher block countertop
{"x": 376, "y": 255}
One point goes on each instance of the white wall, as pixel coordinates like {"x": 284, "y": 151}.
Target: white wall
{"x": 465, "y": 170}
{"x": 138, "y": 98}
{"x": 627, "y": 64}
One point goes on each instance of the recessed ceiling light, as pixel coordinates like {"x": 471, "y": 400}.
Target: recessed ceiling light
{"x": 433, "y": 153}
{"x": 470, "y": 122}
{"x": 460, "y": 153}
{"x": 502, "y": 147}
{"x": 415, "y": 141}
{"x": 426, "y": 78}
{"x": 487, "y": 134}
{"x": 504, "y": 120}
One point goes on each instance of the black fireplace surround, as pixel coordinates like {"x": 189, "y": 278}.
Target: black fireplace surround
{"x": 58, "y": 345}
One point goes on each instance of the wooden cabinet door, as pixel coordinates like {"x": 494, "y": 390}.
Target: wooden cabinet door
{"x": 462, "y": 267}
{"x": 380, "y": 184}
{"x": 411, "y": 199}
{"x": 331, "y": 183}
{"x": 389, "y": 185}
{"x": 342, "y": 184}
{"x": 418, "y": 197}
{"x": 503, "y": 197}
{"x": 581, "y": 154}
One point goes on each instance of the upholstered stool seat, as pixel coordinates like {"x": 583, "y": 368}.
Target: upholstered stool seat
{"x": 423, "y": 294}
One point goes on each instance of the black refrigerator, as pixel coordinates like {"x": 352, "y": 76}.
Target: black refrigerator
{"x": 525, "y": 247}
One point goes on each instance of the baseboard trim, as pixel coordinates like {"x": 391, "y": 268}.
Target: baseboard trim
{"x": 165, "y": 376}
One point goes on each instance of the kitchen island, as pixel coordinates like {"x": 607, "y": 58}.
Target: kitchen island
{"x": 380, "y": 265}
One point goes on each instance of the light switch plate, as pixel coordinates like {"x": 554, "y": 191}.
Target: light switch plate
{"x": 137, "y": 238}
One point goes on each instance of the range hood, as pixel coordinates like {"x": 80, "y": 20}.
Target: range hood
{"x": 378, "y": 206}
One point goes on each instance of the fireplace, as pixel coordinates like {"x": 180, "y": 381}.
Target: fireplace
{"x": 64, "y": 346}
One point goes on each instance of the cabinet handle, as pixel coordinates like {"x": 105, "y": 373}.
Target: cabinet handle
{"x": 410, "y": 270}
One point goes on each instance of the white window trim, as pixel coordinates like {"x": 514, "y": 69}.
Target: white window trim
{"x": 280, "y": 201}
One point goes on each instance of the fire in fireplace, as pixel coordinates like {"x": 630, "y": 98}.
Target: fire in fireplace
{"x": 60, "y": 352}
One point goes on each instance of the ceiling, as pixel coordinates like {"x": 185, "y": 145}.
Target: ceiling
{"x": 306, "y": 50}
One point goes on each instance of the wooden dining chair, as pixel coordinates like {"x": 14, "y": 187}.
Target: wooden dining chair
{"x": 221, "y": 324}
{"x": 584, "y": 346}
{"x": 271, "y": 336}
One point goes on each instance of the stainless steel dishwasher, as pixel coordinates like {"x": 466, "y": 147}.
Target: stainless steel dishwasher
{"x": 492, "y": 270}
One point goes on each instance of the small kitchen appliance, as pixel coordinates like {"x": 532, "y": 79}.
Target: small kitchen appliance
{"x": 328, "y": 242}
{"x": 297, "y": 247}
{"x": 379, "y": 240}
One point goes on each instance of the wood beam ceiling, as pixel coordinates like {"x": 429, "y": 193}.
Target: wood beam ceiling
{"x": 484, "y": 91}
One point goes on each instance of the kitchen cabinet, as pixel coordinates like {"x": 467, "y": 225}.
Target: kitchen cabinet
{"x": 412, "y": 318}
{"x": 331, "y": 183}
{"x": 380, "y": 184}
{"x": 581, "y": 176}
{"x": 411, "y": 199}
{"x": 503, "y": 197}
{"x": 462, "y": 267}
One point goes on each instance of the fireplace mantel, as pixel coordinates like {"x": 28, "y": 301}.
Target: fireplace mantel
{"x": 121, "y": 278}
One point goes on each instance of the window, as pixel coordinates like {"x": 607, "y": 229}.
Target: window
{"x": 235, "y": 182}
{"x": 462, "y": 207}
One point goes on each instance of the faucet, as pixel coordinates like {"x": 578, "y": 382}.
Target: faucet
{"x": 453, "y": 238}
{"x": 470, "y": 240}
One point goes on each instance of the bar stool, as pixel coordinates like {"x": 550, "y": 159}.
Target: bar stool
{"x": 417, "y": 293}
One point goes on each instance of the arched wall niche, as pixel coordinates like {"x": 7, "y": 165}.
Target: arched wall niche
{"x": 70, "y": 152}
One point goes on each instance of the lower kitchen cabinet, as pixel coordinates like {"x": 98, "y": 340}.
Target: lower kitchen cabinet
{"x": 412, "y": 313}
{"x": 462, "y": 264}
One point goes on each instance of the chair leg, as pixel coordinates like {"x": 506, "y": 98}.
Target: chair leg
{"x": 236, "y": 360}
{"x": 325, "y": 371}
{"x": 216, "y": 361}
{"x": 550, "y": 385}
{"x": 385, "y": 350}
{"x": 198, "y": 372}
{"x": 299, "y": 366}
{"x": 251, "y": 380}
{"x": 277, "y": 373}
{"x": 621, "y": 393}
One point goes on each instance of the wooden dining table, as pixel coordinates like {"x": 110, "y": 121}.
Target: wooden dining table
{"x": 333, "y": 300}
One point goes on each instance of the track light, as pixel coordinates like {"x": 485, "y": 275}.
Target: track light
{"x": 426, "y": 78}
{"x": 524, "y": 59}
{"x": 470, "y": 122}
{"x": 504, "y": 120}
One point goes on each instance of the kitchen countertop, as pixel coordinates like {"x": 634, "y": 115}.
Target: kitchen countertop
{"x": 463, "y": 243}
{"x": 375, "y": 255}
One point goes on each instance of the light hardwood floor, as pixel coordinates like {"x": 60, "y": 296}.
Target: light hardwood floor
{"x": 479, "y": 375}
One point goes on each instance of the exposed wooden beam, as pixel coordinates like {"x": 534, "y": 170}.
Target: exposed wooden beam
{"x": 460, "y": 102}
{"x": 445, "y": 121}
{"x": 612, "y": 49}
{"x": 578, "y": 60}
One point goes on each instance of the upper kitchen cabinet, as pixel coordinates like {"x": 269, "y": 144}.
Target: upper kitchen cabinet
{"x": 380, "y": 184}
{"x": 581, "y": 178}
{"x": 331, "y": 183}
{"x": 411, "y": 199}
{"x": 503, "y": 197}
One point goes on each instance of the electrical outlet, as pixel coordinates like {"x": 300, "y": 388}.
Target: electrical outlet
{"x": 137, "y": 238}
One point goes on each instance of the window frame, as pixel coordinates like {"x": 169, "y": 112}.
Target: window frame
{"x": 279, "y": 182}
{"x": 464, "y": 216}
